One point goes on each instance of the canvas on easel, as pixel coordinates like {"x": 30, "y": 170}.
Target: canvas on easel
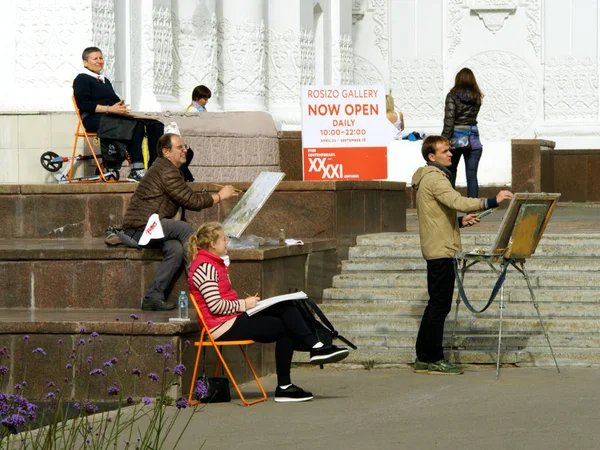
{"x": 523, "y": 225}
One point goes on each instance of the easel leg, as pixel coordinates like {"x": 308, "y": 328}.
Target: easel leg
{"x": 537, "y": 310}
{"x": 500, "y": 332}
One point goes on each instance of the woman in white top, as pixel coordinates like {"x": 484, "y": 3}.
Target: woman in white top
{"x": 397, "y": 118}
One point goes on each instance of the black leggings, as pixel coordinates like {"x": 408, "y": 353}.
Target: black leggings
{"x": 281, "y": 323}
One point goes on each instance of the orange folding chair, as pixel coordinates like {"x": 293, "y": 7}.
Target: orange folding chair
{"x": 206, "y": 340}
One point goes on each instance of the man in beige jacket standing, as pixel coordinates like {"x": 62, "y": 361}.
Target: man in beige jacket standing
{"x": 437, "y": 204}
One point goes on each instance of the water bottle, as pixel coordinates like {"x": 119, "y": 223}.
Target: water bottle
{"x": 182, "y": 302}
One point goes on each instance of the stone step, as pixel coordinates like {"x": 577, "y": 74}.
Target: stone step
{"x": 413, "y": 250}
{"x": 546, "y": 295}
{"x": 535, "y": 263}
{"x": 474, "y": 238}
{"x": 589, "y": 280}
{"x": 473, "y": 323}
{"x": 399, "y": 308}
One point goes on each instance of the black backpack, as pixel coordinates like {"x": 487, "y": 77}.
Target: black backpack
{"x": 319, "y": 324}
{"x": 115, "y": 134}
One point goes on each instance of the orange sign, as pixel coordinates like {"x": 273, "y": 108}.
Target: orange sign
{"x": 358, "y": 163}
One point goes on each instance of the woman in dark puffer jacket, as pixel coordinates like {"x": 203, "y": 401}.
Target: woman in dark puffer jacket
{"x": 460, "y": 127}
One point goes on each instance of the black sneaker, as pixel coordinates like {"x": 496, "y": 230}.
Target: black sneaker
{"x": 136, "y": 175}
{"x": 292, "y": 394}
{"x": 328, "y": 354}
{"x": 155, "y": 304}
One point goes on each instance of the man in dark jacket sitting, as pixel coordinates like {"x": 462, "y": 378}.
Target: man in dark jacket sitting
{"x": 163, "y": 191}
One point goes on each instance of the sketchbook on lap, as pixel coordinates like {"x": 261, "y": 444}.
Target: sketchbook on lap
{"x": 263, "y": 304}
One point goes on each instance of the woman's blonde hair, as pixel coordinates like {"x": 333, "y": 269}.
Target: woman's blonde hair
{"x": 389, "y": 103}
{"x": 207, "y": 232}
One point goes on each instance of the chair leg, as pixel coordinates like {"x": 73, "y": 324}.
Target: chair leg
{"x": 193, "y": 385}
{"x": 237, "y": 388}
{"x": 96, "y": 159}
{"x": 72, "y": 161}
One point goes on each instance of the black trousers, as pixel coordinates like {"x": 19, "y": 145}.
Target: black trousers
{"x": 153, "y": 128}
{"x": 440, "y": 285}
{"x": 280, "y": 323}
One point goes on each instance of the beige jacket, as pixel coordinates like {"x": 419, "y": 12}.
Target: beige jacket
{"x": 437, "y": 204}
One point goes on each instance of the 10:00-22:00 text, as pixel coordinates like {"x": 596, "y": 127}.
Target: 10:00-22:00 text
{"x": 350, "y": 132}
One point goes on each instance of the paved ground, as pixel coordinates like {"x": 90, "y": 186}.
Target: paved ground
{"x": 527, "y": 408}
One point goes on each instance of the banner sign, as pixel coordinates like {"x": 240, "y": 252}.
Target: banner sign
{"x": 345, "y": 133}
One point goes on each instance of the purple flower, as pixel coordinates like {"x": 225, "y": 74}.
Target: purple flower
{"x": 82, "y": 330}
{"x": 3, "y": 350}
{"x": 167, "y": 346}
{"x": 26, "y": 337}
{"x": 130, "y": 400}
{"x": 81, "y": 342}
{"x": 3, "y": 370}
{"x": 39, "y": 350}
{"x": 134, "y": 316}
{"x": 167, "y": 369}
{"x": 153, "y": 376}
{"x": 89, "y": 359}
{"x": 77, "y": 407}
{"x": 94, "y": 334}
{"x": 113, "y": 390}
{"x": 200, "y": 390}
{"x": 13, "y": 422}
{"x": 50, "y": 395}
{"x": 117, "y": 318}
{"x": 179, "y": 369}
{"x": 60, "y": 341}
{"x": 90, "y": 408}
{"x": 147, "y": 400}
{"x": 98, "y": 372}
{"x": 150, "y": 323}
{"x": 159, "y": 349}
{"x": 107, "y": 364}
{"x": 187, "y": 342}
{"x": 50, "y": 384}
{"x": 136, "y": 371}
{"x": 167, "y": 355}
{"x": 181, "y": 403}
{"x": 24, "y": 383}
{"x": 69, "y": 366}
{"x": 65, "y": 379}
{"x": 18, "y": 387}
{"x": 114, "y": 360}
{"x": 89, "y": 340}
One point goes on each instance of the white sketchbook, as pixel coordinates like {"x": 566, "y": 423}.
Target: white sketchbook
{"x": 264, "y": 304}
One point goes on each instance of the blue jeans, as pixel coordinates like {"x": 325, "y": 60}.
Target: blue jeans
{"x": 472, "y": 158}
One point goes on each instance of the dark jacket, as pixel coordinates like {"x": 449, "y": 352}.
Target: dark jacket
{"x": 458, "y": 112}
{"x": 162, "y": 191}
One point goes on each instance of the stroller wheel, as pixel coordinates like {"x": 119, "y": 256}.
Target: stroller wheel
{"x": 47, "y": 162}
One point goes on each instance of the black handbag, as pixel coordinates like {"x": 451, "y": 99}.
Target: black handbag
{"x": 217, "y": 390}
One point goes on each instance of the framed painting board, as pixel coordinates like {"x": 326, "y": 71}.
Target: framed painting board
{"x": 523, "y": 225}
{"x": 251, "y": 202}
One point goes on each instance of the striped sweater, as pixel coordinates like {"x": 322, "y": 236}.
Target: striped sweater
{"x": 209, "y": 283}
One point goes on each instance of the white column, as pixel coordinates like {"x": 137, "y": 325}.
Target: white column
{"x": 195, "y": 50}
{"x": 242, "y": 59}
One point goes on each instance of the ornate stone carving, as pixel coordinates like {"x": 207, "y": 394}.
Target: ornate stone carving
{"x": 571, "y": 89}
{"x": 417, "y": 88}
{"x": 343, "y": 60}
{"x": 534, "y": 24}
{"x": 163, "y": 50}
{"x": 365, "y": 72}
{"x": 195, "y": 55}
{"x": 358, "y": 10}
{"x": 307, "y": 57}
{"x": 512, "y": 94}
{"x": 242, "y": 51}
{"x": 454, "y": 24}
{"x": 45, "y": 49}
{"x": 103, "y": 29}
{"x": 284, "y": 66}
{"x": 380, "y": 17}
{"x": 493, "y": 13}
